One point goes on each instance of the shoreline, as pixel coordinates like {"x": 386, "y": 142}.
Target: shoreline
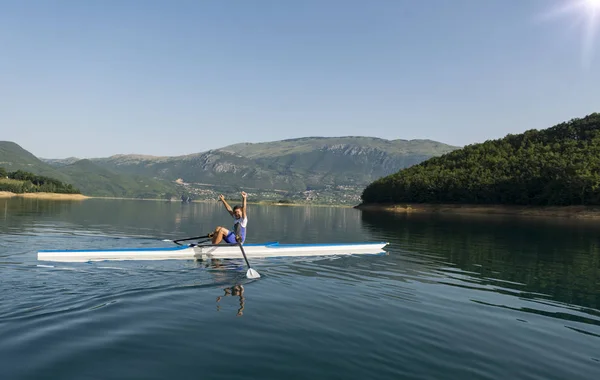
{"x": 61, "y": 196}
{"x": 268, "y": 203}
{"x": 52, "y": 196}
{"x": 575, "y": 212}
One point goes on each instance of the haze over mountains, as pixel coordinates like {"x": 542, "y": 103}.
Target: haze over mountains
{"x": 295, "y": 168}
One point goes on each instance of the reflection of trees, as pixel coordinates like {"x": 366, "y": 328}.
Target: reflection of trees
{"x": 119, "y": 217}
{"x": 557, "y": 257}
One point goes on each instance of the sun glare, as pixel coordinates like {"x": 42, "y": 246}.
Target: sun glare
{"x": 584, "y": 14}
{"x": 593, "y": 4}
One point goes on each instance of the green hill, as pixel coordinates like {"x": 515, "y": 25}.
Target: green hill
{"x": 97, "y": 181}
{"x": 88, "y": 177}
{"x": 555, "y": 166}
{"x": 13, "y": 157}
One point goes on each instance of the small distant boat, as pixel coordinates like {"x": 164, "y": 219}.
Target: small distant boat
{"x": 212, "y": 251}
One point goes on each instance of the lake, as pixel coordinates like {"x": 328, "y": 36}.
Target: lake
{"x": 474, "y": 297}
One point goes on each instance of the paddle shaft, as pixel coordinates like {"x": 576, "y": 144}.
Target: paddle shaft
{"x": 251, "y": 273}
{"x": 244, "y": 253}
{"x": 236, "y": 231}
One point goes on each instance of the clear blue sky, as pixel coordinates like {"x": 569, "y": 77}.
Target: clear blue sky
{"x": 96, "y": 78}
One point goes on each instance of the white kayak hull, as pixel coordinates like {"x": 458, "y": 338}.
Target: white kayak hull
{"x": 222, "y": 251}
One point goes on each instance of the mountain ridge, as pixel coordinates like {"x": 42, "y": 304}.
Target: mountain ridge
{"x": 270, "y": 142}
{"x": 292, "y": 164}
{"x": 305, "y": 167}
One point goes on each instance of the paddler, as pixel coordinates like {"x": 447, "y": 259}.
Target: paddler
{"x": 240, "y": 221}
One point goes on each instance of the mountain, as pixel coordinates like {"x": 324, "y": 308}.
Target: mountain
{"x": 13, "y": 157}
{"x": 291, "y": 165}
{"x": 555, "y": 166}
{"x": 98, "y": 181}
{"x": 316, "y": 169}
{"x": 88, "y": 177}
{"x": 307, "y": 144}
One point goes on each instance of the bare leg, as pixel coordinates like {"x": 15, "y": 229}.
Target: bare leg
{"x": 219, "y": 234}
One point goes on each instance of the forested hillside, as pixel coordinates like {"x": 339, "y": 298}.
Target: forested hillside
{"x": 555, "y": 166}
{"x": 24, "y": 182}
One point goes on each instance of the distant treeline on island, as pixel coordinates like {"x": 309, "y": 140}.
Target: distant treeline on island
{"x": 552, "y": 167}
{"x": 24, "y": 182}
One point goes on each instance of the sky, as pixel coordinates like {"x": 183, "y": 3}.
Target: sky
{"x": 95, "y": 78}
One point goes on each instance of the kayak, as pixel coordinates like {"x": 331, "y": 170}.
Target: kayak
{"x": 212, "y": 251}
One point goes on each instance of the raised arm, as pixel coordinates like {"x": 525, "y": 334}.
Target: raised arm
{"x": 244, "y": 196}
{"x": 227, "y": 206}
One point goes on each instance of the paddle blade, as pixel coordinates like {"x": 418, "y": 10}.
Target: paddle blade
{"x": 252, "y": 273}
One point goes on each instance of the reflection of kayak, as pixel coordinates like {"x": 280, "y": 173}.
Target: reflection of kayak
{"x": 208, "y": 251}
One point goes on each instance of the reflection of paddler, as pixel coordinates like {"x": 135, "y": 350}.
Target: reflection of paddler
{"x": 236, "y": 290}
{"x": 218, "y": 264}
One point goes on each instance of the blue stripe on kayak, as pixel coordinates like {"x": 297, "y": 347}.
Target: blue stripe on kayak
{"x": 169, "y": 249}
{"x": 324, "y": 245}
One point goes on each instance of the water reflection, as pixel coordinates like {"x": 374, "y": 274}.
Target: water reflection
{"x": 143, "y": 218}
{"x": 234, "y": 291}
{"x": 224, "y": 272}
{"x": 559, "y": 258}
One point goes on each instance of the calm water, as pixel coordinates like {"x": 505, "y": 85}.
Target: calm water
{"x": 454, "y": 298}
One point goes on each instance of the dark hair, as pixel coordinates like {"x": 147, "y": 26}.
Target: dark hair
{"x": 237, "y": 207}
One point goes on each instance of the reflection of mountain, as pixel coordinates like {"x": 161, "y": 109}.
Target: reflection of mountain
{"x": 560, "y": 258}
{"x": 9, "y": 208}
{"x": 266, "y": 223}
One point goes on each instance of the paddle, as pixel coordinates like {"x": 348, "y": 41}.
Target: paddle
{"x": 192, "y": 238}
{"x": 251, "y": 273}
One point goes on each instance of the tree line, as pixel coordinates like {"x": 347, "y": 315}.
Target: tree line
{"x": 24, "y": 182}
{"x": 554, "y": 166}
